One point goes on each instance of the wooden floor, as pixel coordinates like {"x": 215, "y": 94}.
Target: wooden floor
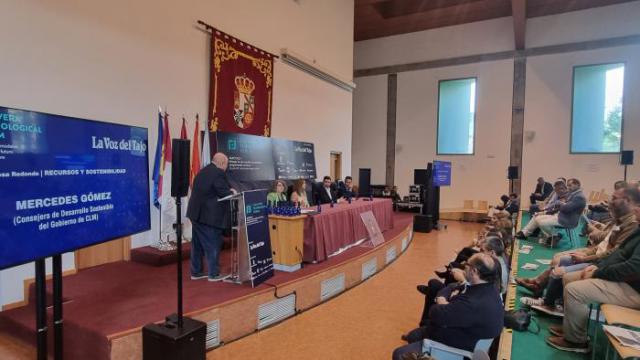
{"x": 364, "y": 323}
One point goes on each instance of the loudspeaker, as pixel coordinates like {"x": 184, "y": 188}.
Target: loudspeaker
{"x": 364, "y": 182}
{"x": 420, "y": 176}
{"x": 423, "y": 223}
{"x": 180, "y": 166}
{"x": 512, "y": 173}
{"x": 626, "y": 157}
{"x": 168, "y": 342}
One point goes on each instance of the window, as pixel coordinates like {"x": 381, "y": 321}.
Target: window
{"x": 596, "y": 120}
{"x": 456, "y": 116}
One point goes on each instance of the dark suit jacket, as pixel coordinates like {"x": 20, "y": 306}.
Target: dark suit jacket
{"x": 324, "y": 197}
{"x": 345, "y": 193}
{"x": 476, "y": 314}
{"x": 545, "y": 189}
{"x": 208, "y": 186}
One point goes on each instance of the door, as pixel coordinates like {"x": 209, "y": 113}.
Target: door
{"x": 335, "y": 166}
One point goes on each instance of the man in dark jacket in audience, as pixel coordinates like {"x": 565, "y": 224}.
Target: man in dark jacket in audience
{"x": 543, "y": 189}
{"x": 476, "y": 313}
{"x": 614, "y": 279}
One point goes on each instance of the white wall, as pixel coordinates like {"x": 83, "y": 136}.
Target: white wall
{"x": 370, "y": 127}
{"x": 475, "y": 177}
{"x": 547, "y": 105}
{"x": 117, "y": 61}
{"x": 548, "y": 119}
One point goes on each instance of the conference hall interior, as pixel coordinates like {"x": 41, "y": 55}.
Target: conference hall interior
{"x": 320, "y": 179}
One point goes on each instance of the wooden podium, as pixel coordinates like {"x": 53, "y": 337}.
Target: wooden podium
{"x": 287, "y": 238}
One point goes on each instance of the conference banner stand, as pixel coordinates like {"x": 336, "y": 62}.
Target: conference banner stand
{"x": 251, "y": 258}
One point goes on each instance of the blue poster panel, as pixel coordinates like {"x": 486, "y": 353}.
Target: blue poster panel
{"x": 68, "y": 183}
{"x": 260, "y": 258}
{"x": 441, "y": 173}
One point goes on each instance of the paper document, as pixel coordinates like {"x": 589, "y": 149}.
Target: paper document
{"x": 544, "y": 261}
{"x": 226, "y": 197}
{"x": 626, "y": 337}
{"x": 529, "y": 266}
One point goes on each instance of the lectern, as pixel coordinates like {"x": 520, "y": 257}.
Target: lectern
{"x": 240, "y": 268}
{"x": 287, "y": 241}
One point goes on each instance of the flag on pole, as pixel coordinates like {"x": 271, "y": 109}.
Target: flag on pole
{"x": 168, "y": 208}
{"x": 183, "y": 131}
{"x": 206, "y": 151}
{"x": 195, "y": 153}
{"x": 158, "y": 164}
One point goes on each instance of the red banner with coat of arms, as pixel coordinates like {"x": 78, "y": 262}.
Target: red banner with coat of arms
{"x": 241, "y": 86}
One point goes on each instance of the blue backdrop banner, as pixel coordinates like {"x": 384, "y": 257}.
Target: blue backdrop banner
{"x": 67, "y": 183}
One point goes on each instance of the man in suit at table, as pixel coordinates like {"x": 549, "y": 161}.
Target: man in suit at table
{"x": 326, "y": 194}
{"x": 347, "y": 190}
{"x": 209, "y": 217}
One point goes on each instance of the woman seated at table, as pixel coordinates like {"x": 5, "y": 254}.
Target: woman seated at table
{"x": 277, "y": 193}
{"x": 299, "y": 194}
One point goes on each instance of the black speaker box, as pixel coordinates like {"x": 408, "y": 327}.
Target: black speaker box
{"x": 512, "y": 173}
{"x": 423, "y": 223}
{"x": 180, "y": 166}
{"x": 168, "y": 342}
{"x": 364, "y": 182}
{"x": 626, "y": 157}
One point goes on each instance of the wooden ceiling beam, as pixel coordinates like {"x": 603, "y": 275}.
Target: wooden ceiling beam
{"x": 519, "y": 13}
{"x": 373, "y": 26}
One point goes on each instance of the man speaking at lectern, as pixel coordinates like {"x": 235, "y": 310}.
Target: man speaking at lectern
{"x": 209, "y": 217}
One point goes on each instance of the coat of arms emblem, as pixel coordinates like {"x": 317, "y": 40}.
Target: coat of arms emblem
{"x": 243, "y": 102}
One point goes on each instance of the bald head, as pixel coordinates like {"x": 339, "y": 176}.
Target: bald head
{"x": 220, "y": 160}
{"x": 482, "y": 268}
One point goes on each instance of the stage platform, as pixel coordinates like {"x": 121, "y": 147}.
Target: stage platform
{"x": 106, "y": 306}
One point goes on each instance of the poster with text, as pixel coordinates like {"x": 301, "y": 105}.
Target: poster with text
{"x": 260, "y": 258}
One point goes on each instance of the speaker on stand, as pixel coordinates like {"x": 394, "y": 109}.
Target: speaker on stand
{"x": 178, "y": 337}
{"x": 626, "y": 159}
{"x": 512, "y": 174}
{"x": 364, "y": 182}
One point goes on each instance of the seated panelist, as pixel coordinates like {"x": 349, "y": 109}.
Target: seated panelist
{"x": 277, "y": 193}
{"x": 299, "y": 193}
{"x": 347, "y": 191}
{"x": 326, "y": 194}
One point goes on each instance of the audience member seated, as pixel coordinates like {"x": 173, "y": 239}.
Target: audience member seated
{"x": 326, "y": 194}
{"x": 510, "y": 204}
{"x": 492, "y": 246}
{"x": 347, "y": 190}
{"x": 611, "y": 280}
{"x": 277, "y": 194}
{"x": 622, "y": 212}
{"x": 599, "y": 213}
{"x": 299, "y": 193}
{"x": 568, "y": 215}
{"x": 493, "y": 210}
{"x": 474, "y": 313}
{"x": 543, "y": 189}
{"x": 551, "y": 201}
